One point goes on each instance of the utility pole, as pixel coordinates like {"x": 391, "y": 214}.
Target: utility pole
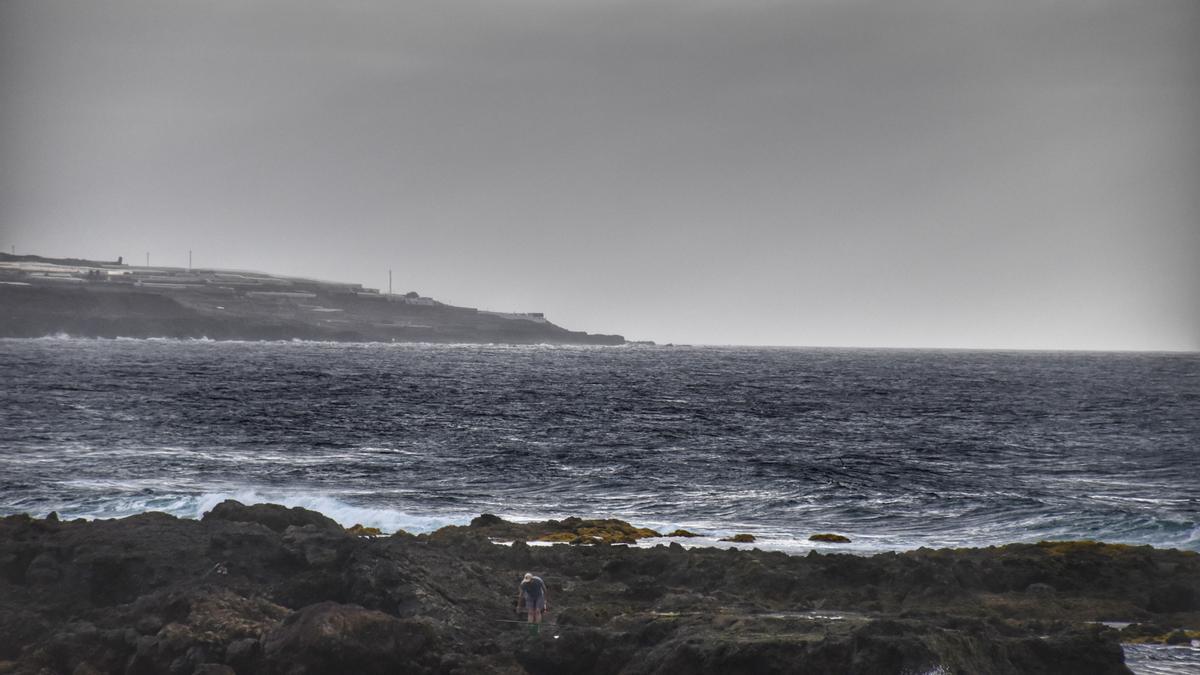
{"x": 147, "y": 258}
{"x": 189, "y": 260}
{"x": 389, "y": 282}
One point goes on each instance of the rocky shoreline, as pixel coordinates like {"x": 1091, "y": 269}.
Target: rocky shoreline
{"x": 267, "y": 589}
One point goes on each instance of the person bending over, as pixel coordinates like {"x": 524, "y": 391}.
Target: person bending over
{"x": 533, "y": 592}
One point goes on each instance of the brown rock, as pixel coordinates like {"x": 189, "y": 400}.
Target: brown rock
{"x": 363, "y": 531}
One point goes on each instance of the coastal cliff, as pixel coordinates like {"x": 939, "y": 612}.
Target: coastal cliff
{"x": 83, "y": 298}
{"x": 266, "y": 589}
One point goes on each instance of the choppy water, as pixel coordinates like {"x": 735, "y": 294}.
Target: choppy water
{"x": 896, "y": 449}
{"x": 1163, "y": 660}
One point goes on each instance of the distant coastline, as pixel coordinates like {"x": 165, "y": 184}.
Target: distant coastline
{"x": 42, "y": 296}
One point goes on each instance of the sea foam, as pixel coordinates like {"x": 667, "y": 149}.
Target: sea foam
{"x": 121, "y": 505}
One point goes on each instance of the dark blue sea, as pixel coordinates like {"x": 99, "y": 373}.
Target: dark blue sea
{"x": 895, "y": 449}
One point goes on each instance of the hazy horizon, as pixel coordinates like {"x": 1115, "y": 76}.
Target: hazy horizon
{"x": 383, "y": 288}
{"x": 856, "y": 174}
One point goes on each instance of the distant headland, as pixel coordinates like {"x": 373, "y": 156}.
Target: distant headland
{"x": 42, "y": 296}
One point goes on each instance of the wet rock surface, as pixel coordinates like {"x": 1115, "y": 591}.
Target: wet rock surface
{"x": 265, "y": 590}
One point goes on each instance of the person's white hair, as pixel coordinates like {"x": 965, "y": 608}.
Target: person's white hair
{"x": 528, "y": 576}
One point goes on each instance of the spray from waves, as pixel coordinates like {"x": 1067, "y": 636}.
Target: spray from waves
{"x": 121, "y": 505}
{"x": 387, "y": 520}
{"x": 106, "y": 498}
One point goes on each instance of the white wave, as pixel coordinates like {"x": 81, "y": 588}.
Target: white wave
{"x": 1141, "y": 500}
{"x": 387, "y": 451}
{"x": 387, "y": 520}
{"x": 118, "y": 500}
{"x": 1163, "y": 659}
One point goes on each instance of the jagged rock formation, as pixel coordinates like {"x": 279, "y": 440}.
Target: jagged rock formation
{"x": 264, "y": 589}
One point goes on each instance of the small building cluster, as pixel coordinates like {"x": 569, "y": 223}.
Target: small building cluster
{"x": 226, "y": 290}
{"x": 536, "y": 317}
{"x": 29, "y": 270}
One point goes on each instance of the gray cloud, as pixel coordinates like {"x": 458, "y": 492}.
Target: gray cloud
{"x": 867, "y": 173}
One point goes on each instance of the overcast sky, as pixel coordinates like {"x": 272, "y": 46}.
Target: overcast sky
{"x": 826, "y": 172}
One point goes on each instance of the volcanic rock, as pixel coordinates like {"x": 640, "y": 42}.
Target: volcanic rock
{"x": 279, "y": 591}
{"x": 329, "y": 637}
{"x": 274, "y": 516}
{"x": 830, "y": 538}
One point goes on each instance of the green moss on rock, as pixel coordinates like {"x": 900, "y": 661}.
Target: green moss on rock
{"x": 1158, "y": 635}
{"x": 597, "y": 531}
{"x": 363, "y": 531}
{"x": 1064, "y": 548}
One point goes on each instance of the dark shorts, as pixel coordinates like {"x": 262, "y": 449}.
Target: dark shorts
{"x": 532, "y": 603}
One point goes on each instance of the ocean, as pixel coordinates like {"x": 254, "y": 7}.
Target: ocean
{"x": 895, "y": 449}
